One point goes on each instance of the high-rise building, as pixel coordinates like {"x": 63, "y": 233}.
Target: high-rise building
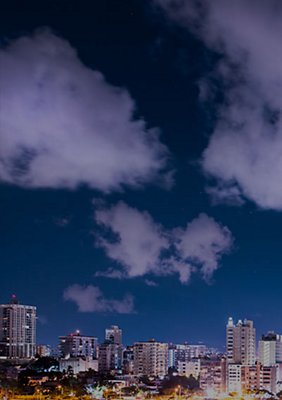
{"x": 113, "y": 334}
{"x": 270, "y": 349}
{"x": 110, "y": 357}
{"x": 241, "y": 342}
{"x": 150, "y": 358}
{"x": 77, "y": 345}
{"x": 17, "y": 330}
{"x": 111, "y": 351}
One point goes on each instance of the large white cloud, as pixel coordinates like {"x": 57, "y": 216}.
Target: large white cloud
{"x": 203, "y": 242}
{"x": 140, "y": 240}
{"x": 91, "y": 299}
{"x": 245, "y": 151}
{"x": 62, "y": 124}
{"x": 142, "y": 247}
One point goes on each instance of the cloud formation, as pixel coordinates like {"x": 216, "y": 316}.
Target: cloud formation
{"x": 142, "y": 247}
{"x": 91, "y": 299}
{"x": 62, "y": 124}
{"x": 140, "y": 241}
{"x": 244, "y": 154}
{"x": 202, "y": 243}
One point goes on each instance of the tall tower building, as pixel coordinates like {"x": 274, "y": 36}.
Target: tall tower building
{"x": 111, "y": 351}
{"x": 17, "y": 330}
{"x": 241, "y": 342}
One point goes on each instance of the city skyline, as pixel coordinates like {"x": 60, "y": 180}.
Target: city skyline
{"x": 140, "y": 166}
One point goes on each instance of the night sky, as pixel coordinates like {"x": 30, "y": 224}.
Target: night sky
{"x": 141, "y": 165}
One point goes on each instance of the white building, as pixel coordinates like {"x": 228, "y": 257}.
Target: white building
{"x": 17, "y": 330}
{"x": 78, "y": 364}
{"x": 270, "y": 349}
{"x": 234, "y": 381}
{"x": 77, "y": 345}
{"x": 150, "y": 358}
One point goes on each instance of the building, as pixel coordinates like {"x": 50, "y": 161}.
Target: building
{"x": 17, "y": 330}
{"x": 77, "y": 345}
{"x": 184, "y": 353}
{"x": 111, "y": 351}
{"x": 259, "y": 377}
{"x": 76, "y": 365}
{"x": 110, "y": 357}
{"x": 43, "y": 350}
{"x": 114, "y": 335}
{"x": 270, "y": 349}
{"x": 150, "y": 358}
{"x": 128, "y": 360}
{"x": 241, "y": 342}
{"x": 188, "y": 368}
{"x": 234, "y": 379}
{"x": 213, "y": 375}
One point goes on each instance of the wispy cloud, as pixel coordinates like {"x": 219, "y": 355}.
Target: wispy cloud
{"x": 63, "y": 125}
{"x": 91, "y": 299}
{"x": 151, "y": 283}
{"x": 244, "y": 152}
{"x": 142, "y": 247}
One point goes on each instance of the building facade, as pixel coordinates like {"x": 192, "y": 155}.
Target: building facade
{"x": 270, "y": 349}
{"x": 110, "y": 357}
{"x": 213, "y": 375}
{"x": 77, "y": 365}
{"x": 114, "y": 334}
{"x": 17, "y": 330}
{"x": 77, "y": 345}
{"x": 241, "y": 342}
{"x": 111, "y": 351}
{"x": 150, "y": 358}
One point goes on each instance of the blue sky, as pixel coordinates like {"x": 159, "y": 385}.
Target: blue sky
{"x": 140, "y": 167}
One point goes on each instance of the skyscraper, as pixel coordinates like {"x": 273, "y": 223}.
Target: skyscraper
{"x": 241, "y": 342}
{"x": 17, "y": 330}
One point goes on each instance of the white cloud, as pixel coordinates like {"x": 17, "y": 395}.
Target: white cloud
{"x": 245, "y": 151}
{"x": 202, "y": 243}
{"x": 91, "y": 299}
{"x": 62, "y": 124}
{"x": 142, "y": 247}
{"x": 140, "y": 240}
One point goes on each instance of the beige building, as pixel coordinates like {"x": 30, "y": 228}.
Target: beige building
{"x": 150, "y": 358}
{"x": 213, "y": 375}
{"x": 188, "y": 368}
{"x": 241, "y": 342}
{"x": 259, "y": 377}
{"x": 234, "y": 379}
